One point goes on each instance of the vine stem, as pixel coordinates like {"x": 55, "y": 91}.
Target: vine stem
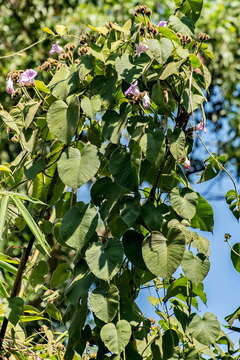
{"x": 17, "y": 285}
{"x": 205, "y": 146}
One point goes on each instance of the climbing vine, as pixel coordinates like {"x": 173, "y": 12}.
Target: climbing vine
{"x": 96, "y": 203}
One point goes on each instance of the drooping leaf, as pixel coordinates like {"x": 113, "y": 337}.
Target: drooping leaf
{"x": 62, "y": 120}
{"x": 205, "y": 329}
{"x": 116, "y": 337}
{"x": 177, "y": 144}
{"x": 184, "y": 202}
{"x": 132, "y": 244}
{"x": 196, "y": 267}
{"x": 104, "y": 303}
{"x": 75, "y": 168}
{"x": 203, "y": 219}
{"x": 104, "y": 260}
{"x": 163, "y": 256}
{"x": 78, "y": 226}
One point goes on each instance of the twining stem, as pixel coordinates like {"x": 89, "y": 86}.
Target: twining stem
{"x": 17, "y": 285}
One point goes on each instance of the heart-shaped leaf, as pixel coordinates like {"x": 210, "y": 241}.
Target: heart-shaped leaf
{"x": 195, "y": 268}
{"x": 206, "y": 329}
{"x": 62, "y": 120}
{"x": 163, "y": 256}
{"x": 75, "y": 168}
{"x": 116, "y": 337}
{"x": 104, "y": 303}
{"x": 184, "y": 202}
{"x": 104, "y": 260}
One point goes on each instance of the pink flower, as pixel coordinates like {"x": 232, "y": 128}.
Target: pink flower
{"x": 201, "y": 126}
{"x": 133, "y": 89}
{"x": 9, "y": 86}
{"x": 146, "y": 101}
{"x": 27, "y": 76}
{"x": 162, "y": 23}
{"x": 187, "y": 164}
{"x": 55, "y": 49}
{"x": 141, "y": 48}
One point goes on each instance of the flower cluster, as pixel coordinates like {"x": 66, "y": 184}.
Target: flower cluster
{"x": 24, "y": 78}
{"x": 135, "y": 94}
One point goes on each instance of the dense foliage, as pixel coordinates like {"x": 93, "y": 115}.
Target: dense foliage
{"x": 114, "y": 112}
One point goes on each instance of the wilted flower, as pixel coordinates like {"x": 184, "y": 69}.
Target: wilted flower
{"x": 56, "y": 49}
{"x": 201, "y": 126}
{"x": 27, "y": 76}
{"x": 141, "y": 48}
{"x": 9, "y": 86}
{"x": 146, "y": 101}
{"x": 162, "y": 23}
{"x": 187, "y": 164}
{"x": 133, "y": 89}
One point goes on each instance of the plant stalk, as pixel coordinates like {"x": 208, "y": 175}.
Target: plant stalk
{"x": 17, "y": 285}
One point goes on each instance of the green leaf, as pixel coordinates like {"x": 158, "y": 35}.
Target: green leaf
{"x": 181, "y": 25}
{"x": 126, "y": 70}
{"x": 160, "y": 50}
{"x": 116, "y": 338}
{"x": 203, "y": 219}
{"x": 80, "y": 284}
{"x": 153, "y": 147}
{"x": 177, "y": 142}
{"x": 78, "y": 226}
{"x": 205, "y": 329}
{"x": 233, "y": 201}
{"x": 152, "y": 216}
{"x": 163, "y": 256}
{"x": 3, "y": 214}
{"x": 91, "y": 106}
{"x": 16, "y": 305}
{"x": 39, "y": 85}
{"x": 38, "y": 273}
{"x": 121, "y": 169}
{"x": 60, "y": 275}
{"x": 75, "y": 168}
{"x": 171, "y": 68}
{"x": 62, "y": 120}
{"x": 191, "y": 8}
{"x": 132, "y": 244}
{"x": 235, "y": 256}
{"x": 32, "y": 225}
{"x": 9, "y": 121}
{"x": 196, "y": 267}
{"x": 104, "y": 260}
{"x": 104, "y": 303}
{"x": 184, "y": 202}
{"x": 31, "y": 111}
{"x": 169, "y": 341}
{"x": 53, "y": 312}
{"x": 64, "y": 82}
{"x": 195, "y": 61}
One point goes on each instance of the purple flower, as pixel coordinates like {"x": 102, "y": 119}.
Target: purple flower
{"x": 187, "y": 164}
{"x": 9, "y": 86}
{"x": 162, "y": 23}
{"x": 201, "y": 126}
{"x": 27, "y": 76}
{"x": 133, "y": 89}
{"x": 141, "y": 48}
{"x": 55, "y": 49}
{"x": 146, "y": 101}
